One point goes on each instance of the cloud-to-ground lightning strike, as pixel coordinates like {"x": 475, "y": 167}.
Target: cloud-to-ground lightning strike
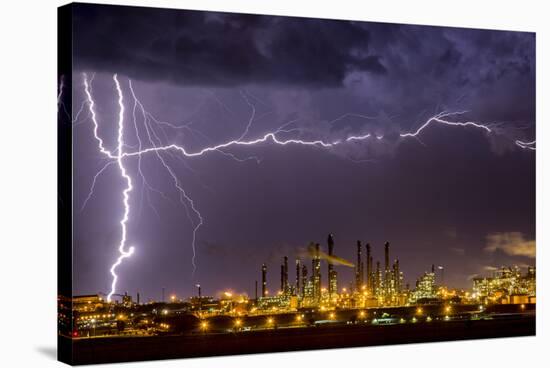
{"x": 273, "y": 137}
{"x": 124, "y": 253}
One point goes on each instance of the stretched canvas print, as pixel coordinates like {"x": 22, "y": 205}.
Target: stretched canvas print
{"x": 237, "y": 183}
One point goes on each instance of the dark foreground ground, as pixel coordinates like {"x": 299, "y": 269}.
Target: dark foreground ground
{"x": 104, "y": 350}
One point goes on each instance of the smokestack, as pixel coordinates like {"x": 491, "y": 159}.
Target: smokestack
{"x": 398, "y": 285}
{"x": 137, "y": 299}
{"x": 433, "y": 268}
{"x": 282, "y": 278}
{"x": 358, "y": 268}
{"x": 378, "y": 276}
{"x": 397, "y": 275}
{"x": 369, "y": 268}
{"x": 304, "y": 279}
{"x": 387, "y": 256}
{"x": 331, "y": 273}
{"x": 297, "y": 276}
{"x": 387, "y": 272}
{"x": 317, "y": 273}
{"x": 264, "y": 280}
{"x": 286, "y": 286}
{"x": 256, "y": 290}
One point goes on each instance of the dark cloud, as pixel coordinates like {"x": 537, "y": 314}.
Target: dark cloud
{"x": 207, "y": 48}
{"x": 392, "y": 68}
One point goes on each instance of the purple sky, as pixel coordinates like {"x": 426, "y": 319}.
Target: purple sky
{"x": 436, "y": 199}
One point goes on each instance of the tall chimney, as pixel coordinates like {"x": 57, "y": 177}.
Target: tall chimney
{"x": 264, "y": 280}
{"x": 358, "y": 268}
{"x": 317, "y": 272}
{"x": 282, "y": 278}
{"x": 387, "y": 273}
{"x": 397, "y": 275}
{"x": 297, "y": 276}
{"x": 304, "y": 280}
{"x": 387, "y": 256}
{"x": 331, "y": 274}
{"x": 369, "y": 268}
{"x": 378, "y": 283}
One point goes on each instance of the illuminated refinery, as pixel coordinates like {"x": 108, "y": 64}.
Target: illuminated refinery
{"x": 377, "y": 295}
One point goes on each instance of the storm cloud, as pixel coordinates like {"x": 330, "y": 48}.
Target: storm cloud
{"x": 404, "y": 70}
{"x": 209, "y": 48}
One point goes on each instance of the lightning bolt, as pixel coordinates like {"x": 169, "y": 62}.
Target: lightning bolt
{"x": 91, "y": 107}
{"x": 273, "y": 137}
{"x": 125, "y": 193}
{"x": 526, "y": 145}
{"x": 439, "y": 118}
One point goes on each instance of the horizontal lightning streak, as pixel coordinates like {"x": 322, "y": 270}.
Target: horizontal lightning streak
{"x": 439, "y": 118}
{"x": 526, "y": 145}
{"x": 121, "y": 154}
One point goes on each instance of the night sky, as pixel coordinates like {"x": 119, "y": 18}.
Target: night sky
{"x": 456, "y": 196}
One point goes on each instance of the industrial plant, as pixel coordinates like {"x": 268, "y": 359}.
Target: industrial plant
{"x": 377, "y": 295}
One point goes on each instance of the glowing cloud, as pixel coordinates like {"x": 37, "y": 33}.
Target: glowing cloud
{"x": 513, "y": 244}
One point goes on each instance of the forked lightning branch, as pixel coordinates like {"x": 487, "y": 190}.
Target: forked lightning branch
{"x": 155, "y": 146}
